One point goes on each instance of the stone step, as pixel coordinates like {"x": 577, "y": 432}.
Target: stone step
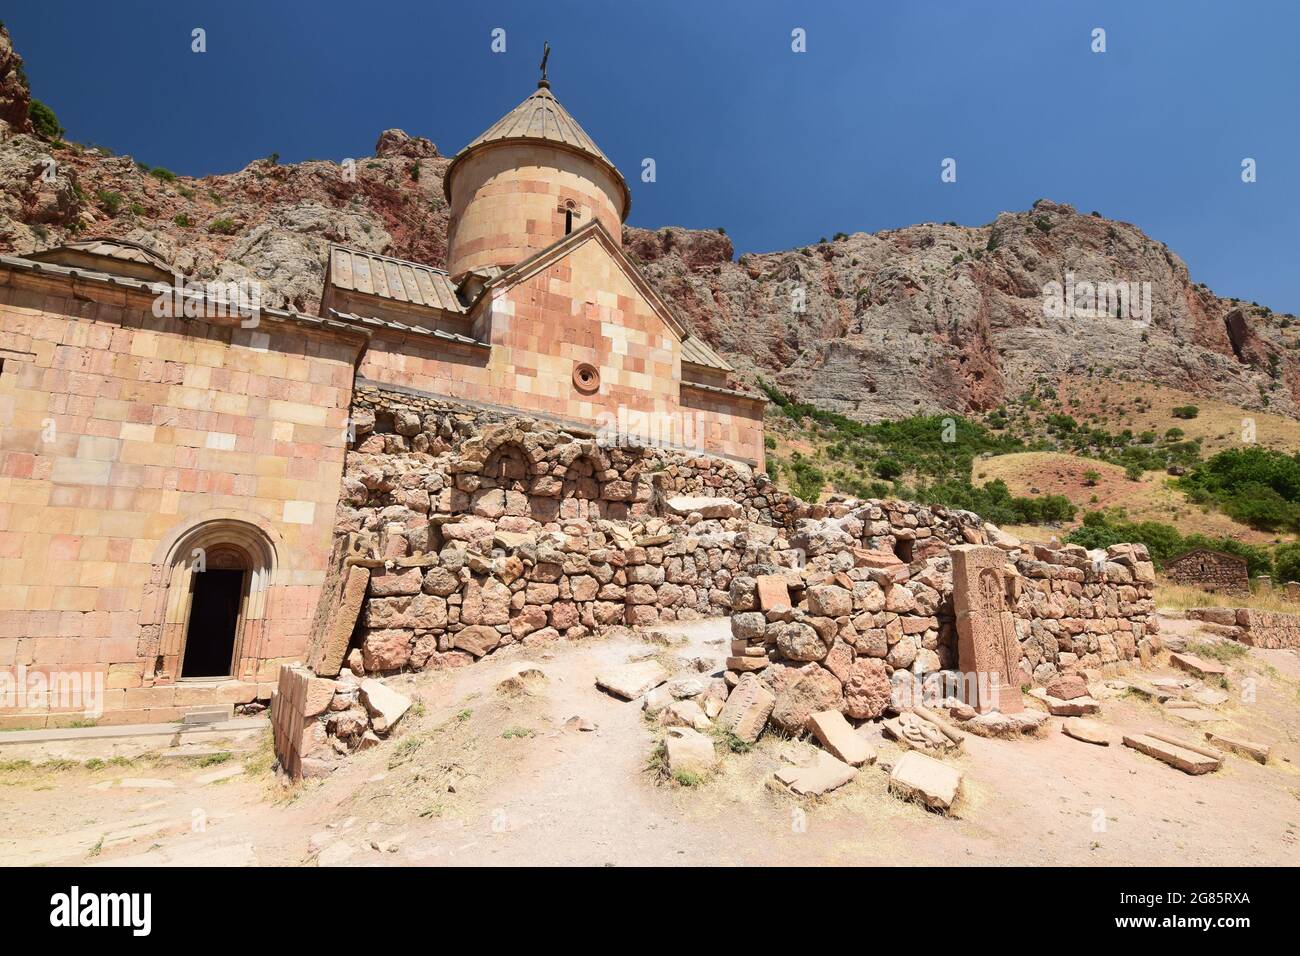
{"x": 1176, "y": 754}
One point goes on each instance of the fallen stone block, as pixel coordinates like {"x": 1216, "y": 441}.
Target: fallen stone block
{"x": 1192, "y": 714}
{"x": 747, "y": 664}
{"x": 1076, "y": 707}
{"x": 918, "y": 777}
{"x": 1089, "y": 731}
{"x": 836, "y": 734}
{"x": 1208, "y": 696}
{"x": 630, "y": 681}
{"x": 689, "y": 751}
{"x": 1197, "y": 665}
{"x": 1255, "y": 751}
{"x": 385, "y": 705}
{"x": 912, "y": 731}
{"x": 684, "y": 713}
{"x": 1000, "y": 725}
{"x": 1176, "y": 754}
{"x": 1067, "y": 687}
{"x": 824, "y": 774}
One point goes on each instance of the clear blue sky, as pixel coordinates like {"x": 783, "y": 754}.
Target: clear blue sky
{"x": 779, "y": 148}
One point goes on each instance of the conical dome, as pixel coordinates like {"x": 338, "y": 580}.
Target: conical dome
{"x": 541, "y": 118}
{"x": 531, "y": 178}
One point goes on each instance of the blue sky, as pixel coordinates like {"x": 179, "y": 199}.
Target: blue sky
{"x": 780, "y": 148}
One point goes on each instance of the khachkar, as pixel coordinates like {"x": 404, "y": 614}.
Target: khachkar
{"x": 988, "y": 652}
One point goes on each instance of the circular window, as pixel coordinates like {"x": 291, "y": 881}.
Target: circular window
{"x": 586, "y": 378}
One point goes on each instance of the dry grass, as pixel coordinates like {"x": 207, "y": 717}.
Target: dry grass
{"x": 1218, "y": 424}
{"x": 1153, "y": 498}
{"x": 1181, "y": 597}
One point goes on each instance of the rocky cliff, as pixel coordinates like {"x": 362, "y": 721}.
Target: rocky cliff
{"x": 926, "y": 318}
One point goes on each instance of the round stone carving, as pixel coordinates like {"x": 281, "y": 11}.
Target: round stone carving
{"x": 586, "y": 378}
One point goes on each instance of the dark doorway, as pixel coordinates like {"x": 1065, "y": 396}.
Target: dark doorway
{"x": 214, "y": 617}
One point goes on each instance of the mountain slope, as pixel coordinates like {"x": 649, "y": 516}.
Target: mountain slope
{"x": 932, "y": 317}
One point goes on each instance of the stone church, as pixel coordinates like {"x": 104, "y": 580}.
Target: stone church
{"x": 169, "y": 485}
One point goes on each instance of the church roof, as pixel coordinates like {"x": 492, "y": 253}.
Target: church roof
{"x": 395, "y": 279}
{"x": 697, "y": 351}
{"x": 109, "y": 247}
{"x": 541, "y": 118}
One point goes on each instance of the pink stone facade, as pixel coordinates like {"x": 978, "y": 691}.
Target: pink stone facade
{"x": 123, "y": 435}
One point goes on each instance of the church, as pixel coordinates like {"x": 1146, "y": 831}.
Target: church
{"x": 169, "y": 479}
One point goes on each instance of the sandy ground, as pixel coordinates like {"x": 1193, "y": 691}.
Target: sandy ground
{"x": 478, "y": 776}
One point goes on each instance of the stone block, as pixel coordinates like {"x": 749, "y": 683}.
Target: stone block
{"x": 918, "y": 777}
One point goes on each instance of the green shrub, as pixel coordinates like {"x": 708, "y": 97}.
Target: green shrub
{"x": 223, "y": 226}
{"x": 181, "y": 220}
{"x": 1185, "y": 411}
{"x": 1102, "y": 529}
{"x": 1286, "y": 561}
{"x": 166, "y": 175}
{"x": 1257, "y": 486}
{"x": 111, "y": 201}
{"x": 888, "y": 469}
{"x": 44, "y": 122}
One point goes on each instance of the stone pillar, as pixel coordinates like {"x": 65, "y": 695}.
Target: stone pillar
{"x": 988, "y": 651}
{"x": 1293, "y": 591}
{"x": 1263, "y": 583}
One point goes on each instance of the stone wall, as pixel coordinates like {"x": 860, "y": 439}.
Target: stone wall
{"x": 839, "y": 632}
{"x": 486, "y": 531}
{"x": 1080, "y": 608}
{"x": 1267, "y": 629}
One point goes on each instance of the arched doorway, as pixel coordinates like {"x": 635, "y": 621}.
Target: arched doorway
{"x": 214, "y": 582}
{"x": 218, "y": 592}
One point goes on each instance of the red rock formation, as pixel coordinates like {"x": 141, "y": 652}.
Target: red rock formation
{"x": 926, "y": 318}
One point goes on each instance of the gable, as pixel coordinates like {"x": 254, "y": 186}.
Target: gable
{"x": 613, "y": 265}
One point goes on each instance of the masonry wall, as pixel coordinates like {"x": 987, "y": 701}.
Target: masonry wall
{"x": 1210, "y": 570}
{"x": 119, "y": 434}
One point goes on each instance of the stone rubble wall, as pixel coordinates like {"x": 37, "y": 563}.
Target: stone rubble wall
{"x": 1083, "y": 609}
{"x": 1266, "y": 629}
{"x": 842, "y": 631}
{"x": 483, "y": 531}
{"x": 317, "y": 720}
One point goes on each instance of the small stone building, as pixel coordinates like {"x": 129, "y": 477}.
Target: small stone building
{"x": 1213, "y": 571}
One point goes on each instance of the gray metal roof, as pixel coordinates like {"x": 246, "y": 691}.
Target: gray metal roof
{"x": 696, "y": 351}
{"x": 121, "y": 249}
{"x": 394, "y": 279}
{"x": 163, "y": 288}
{"x": 370, "y": 320}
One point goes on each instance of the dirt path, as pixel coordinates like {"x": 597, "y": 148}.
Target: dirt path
{"x": 479, "y": 776}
